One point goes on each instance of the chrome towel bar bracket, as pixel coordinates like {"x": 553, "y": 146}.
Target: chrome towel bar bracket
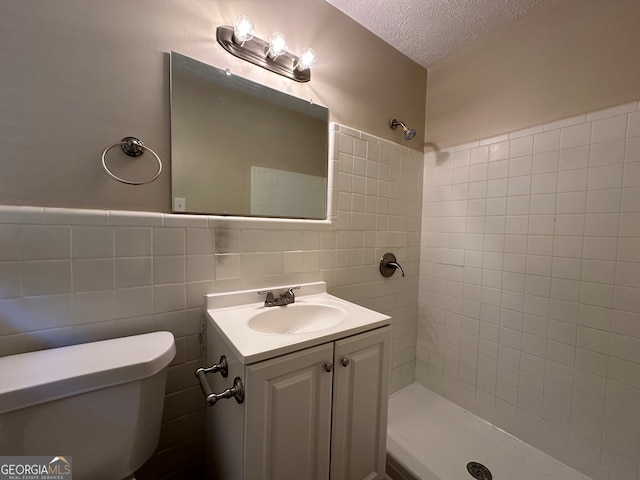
{"x": 133, "y": 147}
{"x": 236, "y": 391}
{"x": 222, "y": 366}
{"x": 210, "y": 398}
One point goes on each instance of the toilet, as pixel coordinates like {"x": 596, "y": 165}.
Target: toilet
{"x": 99, "y": 403}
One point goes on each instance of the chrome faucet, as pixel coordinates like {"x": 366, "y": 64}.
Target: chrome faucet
{"x": 285, "y": 298}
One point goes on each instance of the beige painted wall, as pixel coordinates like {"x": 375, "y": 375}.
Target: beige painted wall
{"x": 563, "y": 59}
{"x": 78, "y": 75}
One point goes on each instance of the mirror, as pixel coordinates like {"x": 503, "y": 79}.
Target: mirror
{"x": 240, "y": 148}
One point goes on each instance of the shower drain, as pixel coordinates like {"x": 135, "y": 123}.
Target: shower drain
{"x": 479, "y": 471}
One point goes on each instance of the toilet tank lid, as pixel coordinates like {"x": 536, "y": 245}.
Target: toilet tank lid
{"x": 31, "y": 378}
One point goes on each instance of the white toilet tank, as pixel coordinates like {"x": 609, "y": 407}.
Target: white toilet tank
{"x": 99, "y": 403}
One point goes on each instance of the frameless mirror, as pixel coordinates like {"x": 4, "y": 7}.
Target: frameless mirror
{"x": 240, "y": 148}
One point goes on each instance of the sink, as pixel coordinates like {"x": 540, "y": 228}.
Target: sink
{"x": 297, "y": 318}
{"x": 255, "y": 332}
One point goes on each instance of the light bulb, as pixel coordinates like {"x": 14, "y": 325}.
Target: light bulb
{"x": 242, "y": 29}
{"x": 307, "y": 59}
{"x": 277, "y": 45}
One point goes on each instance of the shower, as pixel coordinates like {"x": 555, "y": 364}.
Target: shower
{"x": 409, "y": 133}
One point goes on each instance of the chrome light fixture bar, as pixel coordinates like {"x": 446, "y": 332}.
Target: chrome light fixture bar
{"x": 259, "y": 52}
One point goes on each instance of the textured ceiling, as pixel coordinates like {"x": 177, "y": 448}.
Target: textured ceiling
{"x": 427, "y": 31}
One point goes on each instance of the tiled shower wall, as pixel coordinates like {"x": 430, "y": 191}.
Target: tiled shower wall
{"x": 529, "y": 303}
{"x": 73, "y": 276}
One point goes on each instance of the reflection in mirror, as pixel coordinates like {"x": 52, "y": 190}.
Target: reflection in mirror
{"x": 240, "y": 148}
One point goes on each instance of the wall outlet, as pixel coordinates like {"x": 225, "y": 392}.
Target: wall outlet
{"x": 179, "y": 204}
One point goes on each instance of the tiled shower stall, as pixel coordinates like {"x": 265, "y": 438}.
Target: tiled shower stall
{"x": 529, "y": 304}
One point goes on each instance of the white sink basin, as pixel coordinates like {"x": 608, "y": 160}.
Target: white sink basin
{"x": 255, "y": 332}
{"x": 297, "y": 318}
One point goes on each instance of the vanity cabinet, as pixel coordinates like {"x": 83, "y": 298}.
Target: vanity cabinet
{"x": 318, "y": 413}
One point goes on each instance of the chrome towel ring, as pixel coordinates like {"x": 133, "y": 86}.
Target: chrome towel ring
{"x": 133, "y": 147}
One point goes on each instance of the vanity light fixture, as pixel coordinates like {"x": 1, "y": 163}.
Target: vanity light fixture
{"x": 240, "y": 41}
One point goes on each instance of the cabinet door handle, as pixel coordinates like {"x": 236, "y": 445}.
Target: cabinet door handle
{"x": 328, "y": 367}
{"x": 345, "y": 362}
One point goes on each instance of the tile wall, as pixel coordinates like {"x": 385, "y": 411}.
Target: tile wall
{"x": 277, "y": 192}
{"x": 72, "y": 276}
{"x": 529, "y": 303}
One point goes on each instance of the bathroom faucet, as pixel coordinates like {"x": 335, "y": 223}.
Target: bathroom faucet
{"x": 285, "y": 298}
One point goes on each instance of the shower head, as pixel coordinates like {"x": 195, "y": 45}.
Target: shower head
{"x": 409, "y": 133}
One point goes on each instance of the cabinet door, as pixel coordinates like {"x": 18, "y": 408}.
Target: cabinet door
{"x": 359, "y": 433}
{"x": 288, "y": 416}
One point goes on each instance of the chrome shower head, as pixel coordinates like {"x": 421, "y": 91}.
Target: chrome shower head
{"x": 409, "y": 133}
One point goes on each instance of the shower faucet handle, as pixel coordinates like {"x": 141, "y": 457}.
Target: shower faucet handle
{"x": 396, "y": 265}
{"x": 389, "y": 264}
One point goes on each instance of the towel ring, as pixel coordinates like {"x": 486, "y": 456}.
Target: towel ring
{"x": 133, "y": 147}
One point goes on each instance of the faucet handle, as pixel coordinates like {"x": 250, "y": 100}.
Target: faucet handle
{"x": 389, "y": 264}
{"x": 396, "y": 265}
{"x": 290, "y": 292}
{"x": 288, "y": 296}
{"x": 269, "y": 300}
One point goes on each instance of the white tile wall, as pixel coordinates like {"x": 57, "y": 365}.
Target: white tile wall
{"x": 71, "y": 276}
{"x": 540, "y": 333}
{"x": 281, "y": 193}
